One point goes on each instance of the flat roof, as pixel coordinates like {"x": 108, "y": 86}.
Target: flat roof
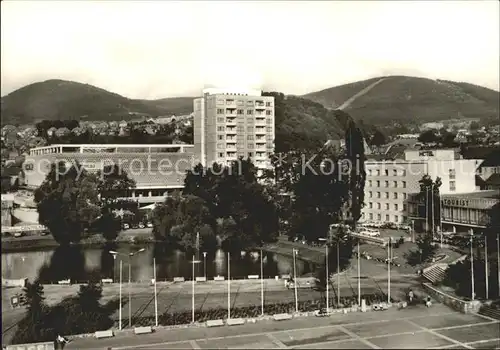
{"x": 493, "y": 194}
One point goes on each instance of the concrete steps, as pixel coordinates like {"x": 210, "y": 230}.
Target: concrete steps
{"x": 435, "y": 275}
{"x": 490, "y": 312}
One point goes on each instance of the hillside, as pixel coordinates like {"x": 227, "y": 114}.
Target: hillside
{"x": 406, "y": 99}
{"x": 60, "y": 99}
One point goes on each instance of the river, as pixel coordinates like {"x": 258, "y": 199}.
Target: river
{"x": 82, "y": 264}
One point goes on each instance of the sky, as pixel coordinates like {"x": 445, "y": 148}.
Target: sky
{"x": 163, "y": 49}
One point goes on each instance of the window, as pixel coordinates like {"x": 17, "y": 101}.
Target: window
{"x": 386, "y": 172}
{"x": 249, "y": 111}
{"x": 452, "y": 186}
{"x": 404, "y": 196}
{"x": 240, "y": 128}
{"x": 220, "y": 137}
{"x": 220, "y": 101}
{"x": 371, "y": 216}
{"x": 269, "y": 129}
{"x": 269, "y": 113}
{"x": 379, "y": 217}
{"x": 396, "y": 207}
{"x": 268, "y": 104}
{"x": 269, "y": 121}
{"x": 250, "y": 154}
{"x": 378, "y": 183}
{"x": 395, "y": 172}
{"x": 220, "y": 120}
{"x": 250, "y": 128}
{"x": 370, "y": 205}
{"x": 387, "y": 195}
{"x": 404, "y": 207}
{"x": 370, "y": 194}
{"x": 370, "y": 183}
{"x": 386, "y": 183}
{"x": 404, "y": 184}
{"x": 395, "y": 195}
{"x": 249, "y": 103}
{"x": 377, "y": 172}
{"x": 220, "y": 128}
{"x": 396, "y": 218}
{"x": 221, "y": 146}
{"x": 250, "y": 146}
{"x": 378, "y": 205}
{"x": 452, "y": 174}
{"x": 240, "y": 103}
{"x": 387, "y": 218}
{"x": 378, "y": 194}
{"x": 220, "y": 111}
{"x": 221, "y": 155}
{"x": 249, "y": 137}
{"x": 240, "y": 111}
{"x": 395, "y": 184}
{"x": 386, "y": 206}
{"x": 370, "y": 172}
{"x": 403, "y": 173}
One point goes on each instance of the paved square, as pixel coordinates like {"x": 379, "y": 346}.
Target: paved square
{"x": 349, "y": 344}
{"x": 492, "y": 344}
{"x": 433, "y": 322}
{"x": 318, "y": 335}
{"x": 417, "y": 340}
{"x": 252, "y": 341}
{"x": 469, "y": 334}
{"x": 381, "y": 328}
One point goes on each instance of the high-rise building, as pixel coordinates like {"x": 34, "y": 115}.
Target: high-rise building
{"x": 229, "y": 124}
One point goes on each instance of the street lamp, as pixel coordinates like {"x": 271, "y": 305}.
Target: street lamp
{"x": 228, "y": 285}
{"x": 327, "y": 275}
{"x": 413, "y": 230}
{"x": 486, "y": 281}
{"x": 389, "y": 260}
{"x": 205, "y": 264}
{"x": 261, "y": 283}
{"x": 130, "y": 255}
{"x": 193, "y": 262}
{"x": 472, "y": 264}
{"x": 295, "y": 251}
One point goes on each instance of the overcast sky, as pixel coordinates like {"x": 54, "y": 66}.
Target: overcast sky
{"x": 166, "y": 48}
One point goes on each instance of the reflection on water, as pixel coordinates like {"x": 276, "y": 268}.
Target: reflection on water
{"x": 80, "y": 264}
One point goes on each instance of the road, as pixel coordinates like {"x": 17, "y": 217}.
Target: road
{"x": 418, "y": 327}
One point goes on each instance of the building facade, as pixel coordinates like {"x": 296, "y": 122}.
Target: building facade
{"x": 229, "y": 124}
{"x": 390, "y": 183}
{"x": 459, "y": 212}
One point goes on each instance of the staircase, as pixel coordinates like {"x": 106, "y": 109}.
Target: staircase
{"x": 490, "y": 312}
{"x": 435, "y": 274}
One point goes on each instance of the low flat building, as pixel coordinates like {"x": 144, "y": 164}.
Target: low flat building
{"x": 156, "y": 169}
{"x": 459, "y": 212}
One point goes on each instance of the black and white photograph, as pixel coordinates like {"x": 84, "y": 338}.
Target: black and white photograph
{"x": 250, "y": 174}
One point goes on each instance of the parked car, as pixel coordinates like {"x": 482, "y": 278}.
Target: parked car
{"x": 141, "y": 225}
{"x": 18, "y": 234}
{"x": 126, "y": 226}
{"x": 370, "y": 232}
{"x": 149, "y": 224}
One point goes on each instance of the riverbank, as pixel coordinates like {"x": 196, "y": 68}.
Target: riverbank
{"x": 34, "y": 243}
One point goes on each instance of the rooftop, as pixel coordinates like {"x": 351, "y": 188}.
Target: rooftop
{"x": 494, "y": 194}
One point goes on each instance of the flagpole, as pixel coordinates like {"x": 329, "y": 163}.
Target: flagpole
{"x": 156, "y": 295}
{"x": 486, "y": 266}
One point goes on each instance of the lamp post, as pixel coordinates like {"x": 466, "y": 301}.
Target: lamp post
{"x": 228, "y": 285}
{"x": 389, "y": 260}
{"x": 327, "y": 275}
{"x": 295, "y": 251}
{"x": 261, "y": 283}
{"x": 156, "y": 294}
{"x": 205, "y": 264}
{"x": 130, "y": 255}
{"x": 338, "y": 274}
{"x": 472, "y": 265}
{"x": 359, "y": 277}
{"x": 120, "y": 311}
{"x": 413, "y": 230}
{"x": 193, "y": 262}
{"x": 486, "y": 267}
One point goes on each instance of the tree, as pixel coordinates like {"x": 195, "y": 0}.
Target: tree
{"x": 474, "y": 126}
{"x": 32, "y": 326}
{"x": 355, "y": 154}
{"x": 428, "y": 136}
{"x": 114, "y": 183}
{"x": 429, "y": 193}
{"x": 448, "y": 139}
{"x": 67, "y": 201}
{"x": 425, "y": 252}
{"x": 378, "y": 139}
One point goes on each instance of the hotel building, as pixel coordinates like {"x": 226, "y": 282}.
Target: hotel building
{"x": 390, "y": 183}
{"x": 229, "y": 124}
